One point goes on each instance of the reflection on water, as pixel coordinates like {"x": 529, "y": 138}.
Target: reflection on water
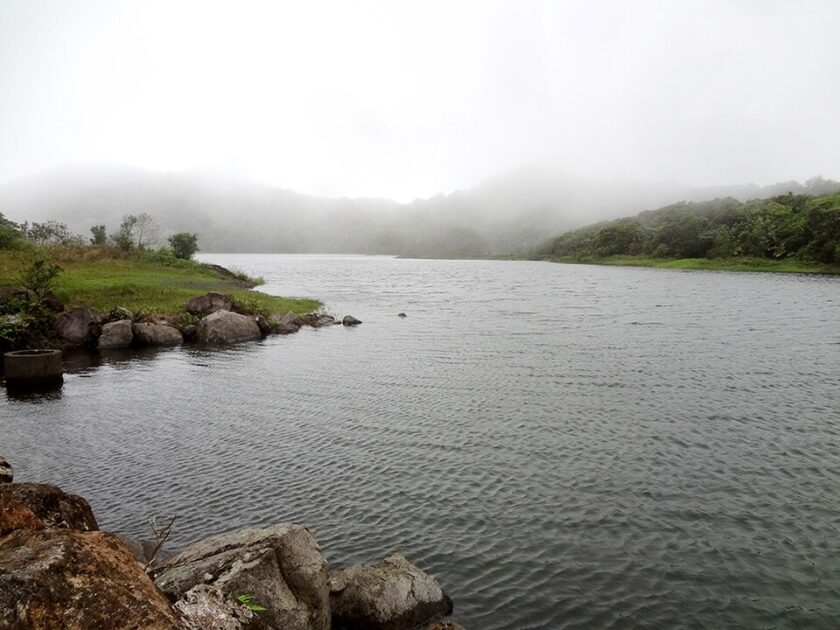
{"x": 564, "y": 446}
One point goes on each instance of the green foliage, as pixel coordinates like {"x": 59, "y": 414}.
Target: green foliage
{"x": 10, "y": 233}
{"x": 39, "y": 276}
{"x": 184, "y": 245}
{"x": 47, "y": 232}
{"x": 249, "y": 603}
{"x": 780, "y": 228}
{"x": 100, "y": 237}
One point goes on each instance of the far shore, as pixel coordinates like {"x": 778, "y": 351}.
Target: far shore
{"x": 708, "y": 264}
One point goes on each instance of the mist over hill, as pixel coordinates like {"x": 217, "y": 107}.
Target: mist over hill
{"x": 507, "y": 214}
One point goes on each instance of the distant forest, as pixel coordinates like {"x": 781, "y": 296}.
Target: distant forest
{"x": 784, "y": 226}
{"x": 506, "y": 215}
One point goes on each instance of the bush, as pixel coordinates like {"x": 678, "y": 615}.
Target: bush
{"x": 184, "y": 245}
{"x": 39, "y": 276}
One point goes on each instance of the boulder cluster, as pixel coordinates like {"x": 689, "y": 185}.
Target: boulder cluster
{"x": 214, "y": 318}
{"x": 58, "y": 570}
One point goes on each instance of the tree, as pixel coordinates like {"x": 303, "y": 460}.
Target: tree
{"x": 48, "y": 232}
{"x": 147, "y": 230}
{"x": 10, "y": 233}
{"x": 184, "y": 245}
{"x": 99, "y": 236}
{"x": 39, "y": 276}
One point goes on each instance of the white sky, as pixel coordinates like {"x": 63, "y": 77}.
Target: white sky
{"x": 404, "y": 100}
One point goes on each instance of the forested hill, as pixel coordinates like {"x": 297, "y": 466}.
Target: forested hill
{"x": 786, "y": 226}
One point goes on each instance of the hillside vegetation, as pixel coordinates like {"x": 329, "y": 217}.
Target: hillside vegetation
{"x": 790, "y": 232}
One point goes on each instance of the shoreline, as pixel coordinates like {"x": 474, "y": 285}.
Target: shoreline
{"x": 755, "y": 265}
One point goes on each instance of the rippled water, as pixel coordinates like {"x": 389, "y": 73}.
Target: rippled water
{"x": 563, "y": 446}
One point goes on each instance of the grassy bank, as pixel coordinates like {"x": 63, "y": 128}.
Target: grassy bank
{"x": 103, "y": 278}
{"x": 712, "y": 264}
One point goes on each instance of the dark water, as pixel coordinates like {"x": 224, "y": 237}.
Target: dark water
{"x": 563, "y": 446}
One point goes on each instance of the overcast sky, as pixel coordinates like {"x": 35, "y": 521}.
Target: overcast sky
{"x": 404, "y": 100}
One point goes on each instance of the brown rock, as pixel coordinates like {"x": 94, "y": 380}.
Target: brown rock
{"x": 67, "y": 579}
{"x": 391, "y": 595}
{"x": 40, "y": 505}
{"x": 280, "y": 567}
{"x": 210, "y": 303}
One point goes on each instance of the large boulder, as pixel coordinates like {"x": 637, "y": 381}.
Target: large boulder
{"x": 116, "y": 334}
{"x": 226, "y": 327}
{"x": 148, "y": 334}
{"x": 210, "y": 303}
{"x": 391, "y": 595}
{"x": 39, "y": 506}
{"x": 280, "y": 567}
{"x": 63, "y": 578}
{"x": 78, "y": 327}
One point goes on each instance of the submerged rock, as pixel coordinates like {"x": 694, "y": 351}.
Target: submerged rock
{"x": 401, "y": 315}
{"x": 280, "y": 567}
{"x": 79, "y": 327}
{"x": 7, "y": 473}
{"x": 349, "y": 320}
{"x": 391, "y": 595}
{"x": 226, "y": 327}
{"x": 63, "y": 578}
{"x": 40, "y": 505}
{"x": 116, "y": 334}
{"x": 210, "y": 303}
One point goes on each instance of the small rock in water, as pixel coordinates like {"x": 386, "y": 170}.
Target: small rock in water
{"x": 349, "y": 320}
{"x": 6, "y": 472}
{"x": 401, "y": 315}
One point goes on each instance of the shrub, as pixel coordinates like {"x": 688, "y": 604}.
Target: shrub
{"x": 184, "y": 245}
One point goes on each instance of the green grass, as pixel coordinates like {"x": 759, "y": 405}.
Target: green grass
{"x": 107, "y": 280}
{"x": 711, "y": 264}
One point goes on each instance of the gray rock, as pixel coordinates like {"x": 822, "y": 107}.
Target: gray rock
{"x": 205, "y": 607}
{"x": 284, "y": 323}
{"x": 349, "y": 320}
{"x": 210, "y": 303}
{"x": 226, "y": 327}
{"x": 7, "y": 474}
{"x": 157, "y": 334}
{"x": 78, "y": 327}
{"x": 401, "y": 315}
{"x": 391, "y": 595}
{"x": 280, "y": 567}
{"x": 116, "y": 334}
{"x": 324, "y": 320}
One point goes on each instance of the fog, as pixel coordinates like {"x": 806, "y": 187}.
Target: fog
{"x": 408, "y": 101}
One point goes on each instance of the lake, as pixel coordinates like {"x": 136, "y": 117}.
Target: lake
{"x": 563, "y": 446}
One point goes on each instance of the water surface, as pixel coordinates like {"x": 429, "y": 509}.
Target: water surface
{"x": 563, "y": 446}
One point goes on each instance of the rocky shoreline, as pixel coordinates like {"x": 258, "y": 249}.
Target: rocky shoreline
{"x": 58, "y": 570}
{"x": 212, "y": 319}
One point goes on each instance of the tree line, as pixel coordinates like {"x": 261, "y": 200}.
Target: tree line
{"x": 784, "y": 226}
{"x": 137, "y": 232}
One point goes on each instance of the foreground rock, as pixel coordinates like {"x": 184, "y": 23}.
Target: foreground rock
{"x": 63, "y": 578}
{"x": 391, "y": 595}
{"x": 41, "y": 506}
{"x": 280, "y": 567}
{"x": 205, "y": 607}
{"x": 226, "y": 327}
{"x": 284, "y": 324}
{"x": 79, "y": 327}
{"x": 148, "y": 334}
{"x": 116, "y": 334}
{"x": 206, "y": 304}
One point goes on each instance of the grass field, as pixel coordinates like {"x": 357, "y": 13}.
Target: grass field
{"x": 715, "y": 264}
{"x": 102, "y": 279}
